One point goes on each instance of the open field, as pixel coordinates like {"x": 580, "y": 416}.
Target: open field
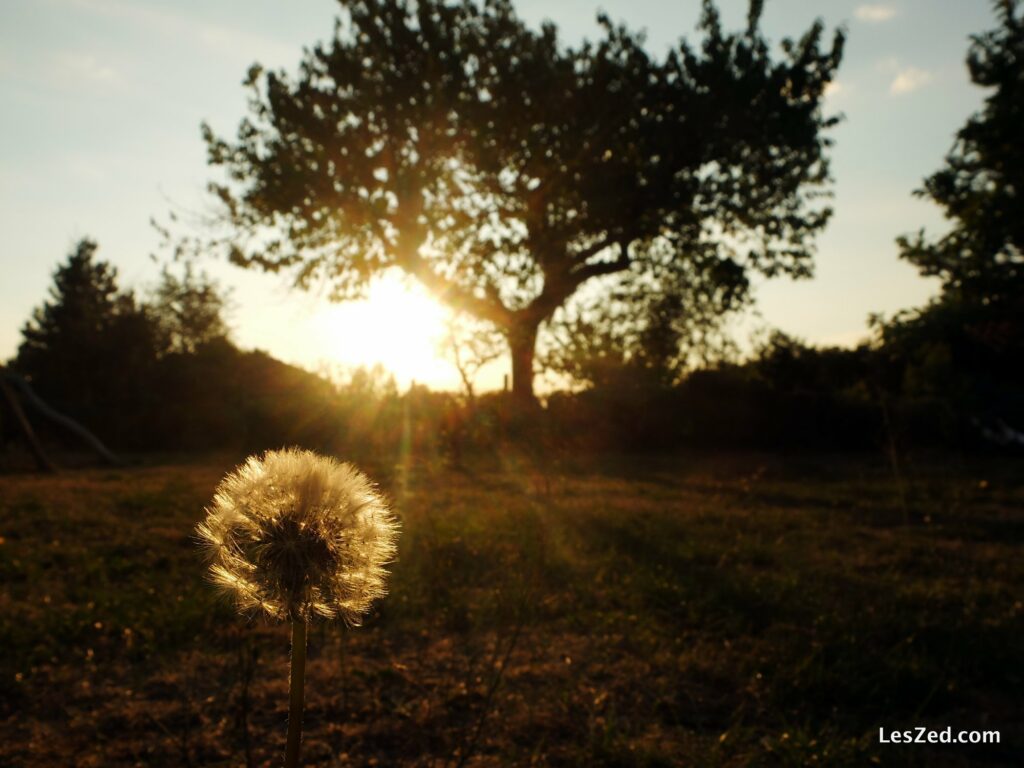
{"x": 680, "y": 611}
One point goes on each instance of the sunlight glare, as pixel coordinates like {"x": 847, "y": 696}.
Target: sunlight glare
{"x": 399, "y": 325}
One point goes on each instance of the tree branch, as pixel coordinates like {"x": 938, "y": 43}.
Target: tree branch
{"x": 592, "y": 250}
{"x": 584, "y": 272}
{"x": 450, "y": 293}
{"x": 560, "y": 286}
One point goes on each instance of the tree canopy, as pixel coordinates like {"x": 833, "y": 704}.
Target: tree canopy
{"x": 505, "y": 169}
{"x": 189, "y": 310}
{"x": 88, "y": 330}
{"x": 981, "y": 186}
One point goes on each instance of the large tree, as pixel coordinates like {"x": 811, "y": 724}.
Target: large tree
{"x": 504, "y": 169}
{"x": 981, "y": 187}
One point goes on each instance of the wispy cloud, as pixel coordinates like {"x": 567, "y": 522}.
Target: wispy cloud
{"x": 215, "y": 37}
{"x": 887, "y": 64}
{"x": 73, "y": 67}
{"x": 874, "y": 13}
{"x": 87, "y": 168}
{"x": 909, "y": 79}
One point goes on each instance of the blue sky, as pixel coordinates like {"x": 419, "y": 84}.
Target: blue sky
{"x": 102, "y": 101}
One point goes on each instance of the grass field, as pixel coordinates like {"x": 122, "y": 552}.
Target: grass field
{"x": 679, "y": 611}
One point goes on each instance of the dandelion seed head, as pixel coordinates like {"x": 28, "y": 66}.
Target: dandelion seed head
{"x": 297, "y": 536}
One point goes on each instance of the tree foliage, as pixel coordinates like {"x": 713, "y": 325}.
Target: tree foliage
{"x": 90, "y": 344}
{"x": 981, "y": 186}
{"x": 189, "y": 310}
{"x": 138, "y": 372}
{"x": 966, "y": 346}
{"x": 628, "y": 338}
{"x": 505, "y": 169}
{"x": 84, "y": 304}
{"x": 968, "y": 353}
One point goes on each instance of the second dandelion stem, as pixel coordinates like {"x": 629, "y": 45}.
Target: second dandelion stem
{"x": 298, "y": 677}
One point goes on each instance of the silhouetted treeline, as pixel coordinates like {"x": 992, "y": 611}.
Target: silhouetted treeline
{"x": 947, "y": 377}
{"x": 160, "y": 374}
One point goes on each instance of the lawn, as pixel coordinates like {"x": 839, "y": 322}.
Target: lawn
{"x": 727, "y": 611}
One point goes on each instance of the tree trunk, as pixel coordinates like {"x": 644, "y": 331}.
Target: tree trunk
{"x": 26, "y": 428}
{"x": 522, "y": 339}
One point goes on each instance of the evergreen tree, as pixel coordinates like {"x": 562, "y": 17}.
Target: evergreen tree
{"x": 91, "y": 347}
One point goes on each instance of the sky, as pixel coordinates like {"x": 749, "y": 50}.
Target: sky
{"x": 103, "y": 99}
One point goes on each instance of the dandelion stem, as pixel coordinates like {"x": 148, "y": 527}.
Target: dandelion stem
{"x": 298, "y": 676}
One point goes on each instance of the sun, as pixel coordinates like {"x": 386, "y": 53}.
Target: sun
{"x": 399, "y": 325}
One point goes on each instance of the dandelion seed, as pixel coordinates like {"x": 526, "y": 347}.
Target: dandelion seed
{"x": 297, "y": 536}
